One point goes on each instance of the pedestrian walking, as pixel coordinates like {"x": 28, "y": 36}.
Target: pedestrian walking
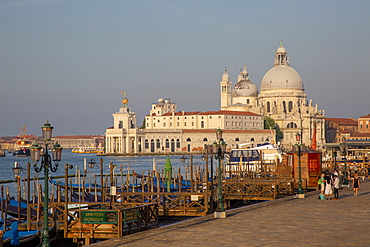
{"x": 328, "y": 187}
{"x": 336, "y": 187}
{"x": 321, "y": 184}
{"x": 356, "y": 184}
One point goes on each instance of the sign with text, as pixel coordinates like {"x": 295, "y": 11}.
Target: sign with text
{"x": 99, "y": 217}
{"x": 131, "y": 215}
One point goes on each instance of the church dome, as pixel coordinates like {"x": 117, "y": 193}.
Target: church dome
{"x": 281, "y": 76}
{"x": 244, "y": 87}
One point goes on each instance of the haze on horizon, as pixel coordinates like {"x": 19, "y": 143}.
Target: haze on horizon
{"x": 67, "y": 61}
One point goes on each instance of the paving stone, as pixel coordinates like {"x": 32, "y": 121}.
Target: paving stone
{"x": 283, "y": 222}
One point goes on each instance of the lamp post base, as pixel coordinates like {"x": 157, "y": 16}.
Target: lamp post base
{"x": 219, "y": 215}
{"x": 300, "y": 196}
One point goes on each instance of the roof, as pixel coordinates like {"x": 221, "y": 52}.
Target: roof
{"x": 359, "y": 134}
{"x": 78, "y": 136}
{"x": 224, "y": 131}
{"x": 343, "y": 121}
{"x": 367, "y": 116}
{"x": 243, "y": 113}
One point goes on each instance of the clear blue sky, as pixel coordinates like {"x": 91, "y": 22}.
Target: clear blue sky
{"x": 67, "y": 61}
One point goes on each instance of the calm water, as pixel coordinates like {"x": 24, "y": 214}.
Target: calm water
{"x": 136, "y": 163}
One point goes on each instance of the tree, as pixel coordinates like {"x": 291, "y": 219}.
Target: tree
{"x": 269, "y": 123}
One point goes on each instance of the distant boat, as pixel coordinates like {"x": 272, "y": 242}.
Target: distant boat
{"x": 2, "y": 153}
{"x": 88, "y": 150}
{"x": 21, "y": 147}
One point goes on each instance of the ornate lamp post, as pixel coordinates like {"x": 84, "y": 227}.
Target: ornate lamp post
{"x": 343, "y": 149}
{"x": 47, "y": 165}
{"x": 300, "y": 193}
{"x": 219, "y": 149}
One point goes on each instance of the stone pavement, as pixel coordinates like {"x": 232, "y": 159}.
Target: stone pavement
{"x": 283, "y": 222}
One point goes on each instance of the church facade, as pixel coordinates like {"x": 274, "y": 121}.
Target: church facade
{"x": 281, "y": 98}
{"x": 167, "y": 131}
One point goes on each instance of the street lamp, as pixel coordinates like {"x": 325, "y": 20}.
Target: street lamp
{"x": 91, "y": 165}
{"x": 46, "y": 164}
{"x": 343, "y": 149}
{"x": 300, "y": 193}
{"x": 219, "y": 149}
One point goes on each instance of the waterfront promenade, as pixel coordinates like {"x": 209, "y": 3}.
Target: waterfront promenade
{"x": 283, "y": 222}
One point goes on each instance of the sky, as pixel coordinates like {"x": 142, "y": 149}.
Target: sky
{"x": 67, "y": 61}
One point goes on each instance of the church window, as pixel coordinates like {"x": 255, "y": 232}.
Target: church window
{"x": 205, "y": 140}
{"x": 164, "y": 124}
{"x": 185, "y": 124}
{"x": 178, "y": 124}
{"x": 268, "y": 106}
{"x": 188, "y": 140}
{"x": 146, "y": 143}
{"x": 120, "y": 124}
{"x": 192, "y": 123}
{"x": 291, "y": 125}
{"x": 167, "y": 143}
{"x": 147, "y": 125}
{"x": 290, "y": 106}
{"x": 202, "y": 124}
{"x": 153, "y": 124}
{"x": 170, "y": 124}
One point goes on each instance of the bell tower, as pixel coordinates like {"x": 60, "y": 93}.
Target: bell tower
{"x": 225, "y": 90}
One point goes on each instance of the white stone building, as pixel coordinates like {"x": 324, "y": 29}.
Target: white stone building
{"x": 281, "y": 97}
{"x": 168, "y": 131}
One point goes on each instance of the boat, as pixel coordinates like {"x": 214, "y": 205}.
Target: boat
{"x": 2, "y": 153}
{"x": 22, "y": 147}
{"x": 88, "y": 150}
{"x": 248, "y": 159}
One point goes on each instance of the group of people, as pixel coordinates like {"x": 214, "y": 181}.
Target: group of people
{"x": 329, "y": 184}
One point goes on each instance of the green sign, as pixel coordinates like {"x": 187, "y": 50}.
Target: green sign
{"x": 131, "y": 215}
{"x": 99, "y": 217}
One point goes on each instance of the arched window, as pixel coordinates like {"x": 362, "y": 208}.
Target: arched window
{"x": 284, "y": 106}
{"x": 146, "y": 143}
{"x": 290, "y": 106}
{"x": 268, "y": 106}
{"x": 237, "y": 139}
{"x": 252, "y": 139}
{"x": 152, "y": 146}
{"x": 188, "y": 140}
{"x": 267, "y": 139}
{"x": 291, "y": 125}
{"x": 158, "y": 143}
{"x": 205, "y": 140}
{"x": 172, "y": 145}
{"x": 167, "y": 143}
{"x": 202, "y": 124}
{"x": 177, "y": 143}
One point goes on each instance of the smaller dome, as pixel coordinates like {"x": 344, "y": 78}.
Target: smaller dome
{"x": 281, "y": 49}
{"x": 160, "y": 100}
{"x": 245, "y": 88}
{"x": 225, "y": 76}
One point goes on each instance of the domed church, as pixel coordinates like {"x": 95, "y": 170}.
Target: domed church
{"x": 281, "y": 97}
